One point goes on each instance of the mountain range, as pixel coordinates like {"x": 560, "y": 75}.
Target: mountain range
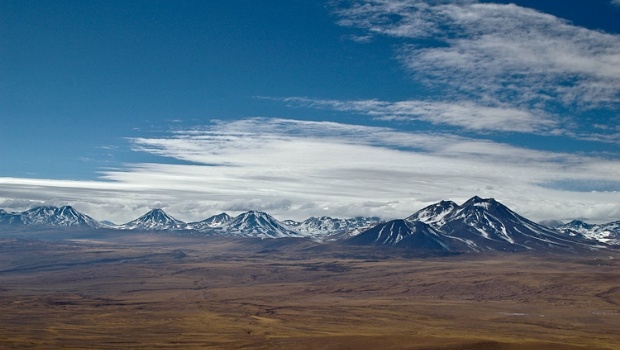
{"x": 477, "y": 225}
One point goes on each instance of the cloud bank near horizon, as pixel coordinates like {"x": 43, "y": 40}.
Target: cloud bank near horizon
{"x": 296, "y": 169}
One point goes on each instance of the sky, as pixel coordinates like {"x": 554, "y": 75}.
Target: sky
{"x": 308, "y": 108}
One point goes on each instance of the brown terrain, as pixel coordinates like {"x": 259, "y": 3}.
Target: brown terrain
{"x": 167, "y": 292}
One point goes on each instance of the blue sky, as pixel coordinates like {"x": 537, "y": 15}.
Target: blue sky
{"x": 304, "y": 108}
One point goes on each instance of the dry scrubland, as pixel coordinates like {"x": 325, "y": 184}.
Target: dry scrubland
{"x": 160, "y": 292}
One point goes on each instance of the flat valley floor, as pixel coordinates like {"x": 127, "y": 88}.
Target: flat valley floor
{"x": 166, "y": 292}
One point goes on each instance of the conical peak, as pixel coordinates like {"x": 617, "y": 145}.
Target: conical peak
{"x": 155, "y": 219}
{"x": 253, "y": 216}
{"x": 256, "y": 214}
{"x": 157, "y": 215}
{"x": 156, "y": 211}
{"x": 67, "y": 209}
{"x": 477, "y": 201}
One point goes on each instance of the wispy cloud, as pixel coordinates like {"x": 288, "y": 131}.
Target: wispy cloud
{"x": 496, "y": 53}
{"x": 295, "y": 169}
{"x": 616, "y": 2}
{"x": 489, "y": 47}
{"x": 463, "y": 114}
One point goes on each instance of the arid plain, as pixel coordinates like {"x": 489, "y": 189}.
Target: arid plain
{"x": 174, "y": 292}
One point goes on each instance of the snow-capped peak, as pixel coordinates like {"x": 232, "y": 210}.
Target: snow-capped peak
{"x": 434, "y": 213}
{"x": 64, "y": 216}
{"x": 258, "y": 224}
{"x": 155, "y": 219}
{"x": 215, "y": 221}
{"x": 486, "y": 224}
{"x": 607, "y": 233}
{"x": 325, "y": 226}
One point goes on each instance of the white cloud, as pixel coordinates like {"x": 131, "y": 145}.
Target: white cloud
{"x": 497, "y": 52}
{"x": 616, "y": 2}
{"x": 295, "y": 169}
{"x": 463, "y": 114}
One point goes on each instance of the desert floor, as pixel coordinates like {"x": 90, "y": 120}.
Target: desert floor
{"x": 165, "y": 292}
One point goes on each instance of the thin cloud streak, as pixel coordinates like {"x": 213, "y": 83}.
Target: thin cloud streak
{"x": 465, "y": 114}
{"x": 296, "y": 169}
